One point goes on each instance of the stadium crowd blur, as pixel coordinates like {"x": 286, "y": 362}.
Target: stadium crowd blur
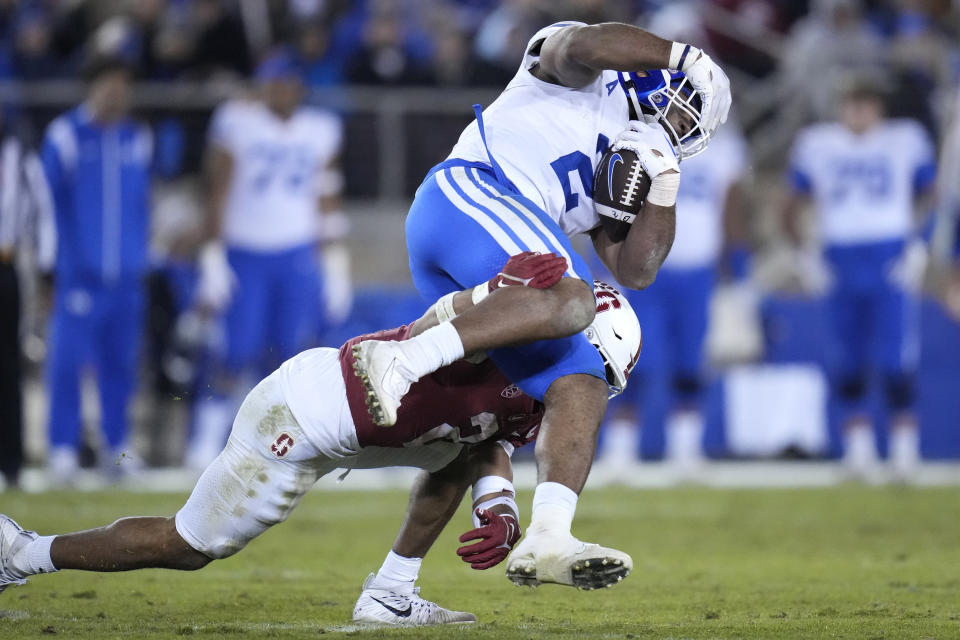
{"x": 786, "y": 60}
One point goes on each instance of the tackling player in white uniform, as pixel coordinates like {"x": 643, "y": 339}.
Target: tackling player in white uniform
{"x": 864, "y": 175}
{"x": 674, "y": 310}
{"x": 520, "y": 179}
{"x": 274, "y": 193}
{"x": 308, "y": 418}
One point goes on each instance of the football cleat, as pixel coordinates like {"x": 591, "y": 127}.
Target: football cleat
{"x": 386, "y": 378}
{"x": 545, "y": 560}
{"x": 12, "y": 538}
{"x": 402, "y": 608}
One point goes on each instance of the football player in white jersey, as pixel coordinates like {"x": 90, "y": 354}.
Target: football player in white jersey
{"x": 308, "y": 418}
{"x": 274, "y": 189}
{"x": 519, "y": 179}
{"x": 674, "y": 310}
{"x": 867, "y": 176}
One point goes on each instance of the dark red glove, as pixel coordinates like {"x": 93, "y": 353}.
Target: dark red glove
{"x": 497, "y": 536}
{"x": 530, "y": 269}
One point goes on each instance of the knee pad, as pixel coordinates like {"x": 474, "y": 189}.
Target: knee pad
{"x": 686, "y": 386}
{"x": 900, "y": 391}
{"x": 852, "y": 388}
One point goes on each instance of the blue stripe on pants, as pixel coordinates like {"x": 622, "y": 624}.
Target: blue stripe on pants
{"x": 458, "y": 236}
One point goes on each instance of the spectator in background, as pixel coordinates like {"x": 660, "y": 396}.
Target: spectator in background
{"x": 220, "y": 44}
{"x": 385, "y": 58}
{"x": 322, "y": 64}
{"x": 274, "y": 187}
{"x": 673, "y": 311}
{"x": 453, "y": 63}
{"x": 97, "y": 160}
{"x": 34, "y": 58}
{"x": 506, "y": 30}
{"x": 24, "y": 207}
{"x": 832, "y": 41}
{"x": 864, "y": 174}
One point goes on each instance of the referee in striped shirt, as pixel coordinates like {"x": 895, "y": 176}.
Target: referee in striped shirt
{"x": 26, "y": 226}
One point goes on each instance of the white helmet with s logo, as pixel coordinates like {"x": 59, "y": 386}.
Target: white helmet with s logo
{"x": 615, "y": 332}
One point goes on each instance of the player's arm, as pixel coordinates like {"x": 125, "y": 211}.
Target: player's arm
{"x": 217, "y": 279}
{"x": 576, "y": 55}
{"x": 219, "y": 167}
{"x": 797, "y": 202}
{"x": 635, "y": 260}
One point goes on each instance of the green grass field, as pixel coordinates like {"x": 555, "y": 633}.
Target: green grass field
{"x": 834, "y": 563}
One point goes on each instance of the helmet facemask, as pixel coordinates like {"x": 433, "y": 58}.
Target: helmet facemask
{"x": 672, "y": 95}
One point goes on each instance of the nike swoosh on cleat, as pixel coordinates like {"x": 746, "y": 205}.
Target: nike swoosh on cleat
{"x": 403, "y": 613}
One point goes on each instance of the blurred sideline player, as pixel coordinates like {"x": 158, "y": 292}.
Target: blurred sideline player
{"x": 308, "y": 418}
{"x": 673, "y": 311}
{"x": 274, "y": 185}
{"x": 520, "y": 178}
{"x": 97, "y": 161}
{"x": 866, "y": 175}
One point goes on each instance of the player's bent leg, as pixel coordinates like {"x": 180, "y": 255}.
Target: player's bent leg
{"x": 507, "y": 317}
{"x": 549, "y": 553}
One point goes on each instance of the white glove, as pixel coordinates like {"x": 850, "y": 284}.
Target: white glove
{"x": 652, "y": 146}
{"x": 708, "y": 79}
{"x": 217, "y": 280}
{"x": 910, "y": 268}
{"x": 337, "y": 284}
{"x": 812, "y": 272}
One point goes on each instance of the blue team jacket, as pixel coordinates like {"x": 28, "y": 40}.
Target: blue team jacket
{"x": 99, "y": 180}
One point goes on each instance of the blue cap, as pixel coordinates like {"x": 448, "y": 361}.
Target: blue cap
{"x": 281, "y": 65}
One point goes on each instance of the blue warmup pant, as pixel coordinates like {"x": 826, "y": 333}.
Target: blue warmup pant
{"x": 99, "y": 326}
{"x": 462, "y": 227}
{"x": 673, "y": 314}
{"x": 275, "y": 307}
{"x": 875, "y": 322}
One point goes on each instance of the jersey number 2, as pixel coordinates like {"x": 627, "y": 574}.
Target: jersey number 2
{"x": 580, "y": 162}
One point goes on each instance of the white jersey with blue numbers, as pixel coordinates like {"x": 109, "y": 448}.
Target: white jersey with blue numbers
{"x": 705, "y": 180}
{"x": 548, "y": 138}
{"x": 863, "y": 186}
{"x": 272, "y": 203}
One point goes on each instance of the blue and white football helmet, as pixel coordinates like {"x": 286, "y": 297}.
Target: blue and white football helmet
{"x": 654, "y": 94}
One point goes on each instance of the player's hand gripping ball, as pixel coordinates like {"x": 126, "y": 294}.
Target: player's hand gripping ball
{"x": 530, "y": 269}
{"x": 497, "y": 535}
{"x": 619, "y": 189}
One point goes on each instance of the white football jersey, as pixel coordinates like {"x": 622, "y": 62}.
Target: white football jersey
{"x": 704, "y": 182}
{"x": 278, "y": 166}
{"x": 863, "y": 186}
{"x": 548, "y": 139}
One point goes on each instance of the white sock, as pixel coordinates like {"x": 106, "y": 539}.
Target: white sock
{"x": 684, "y": 436}
{"x": 620, "y": 442}
{"x": 434, "y": 348}
{"x": 860, "y": 447}
{"x": 554, "y": 505}
{"x": 398, "y": 571}
{"x": 214, "y": 418}
{"x": 904, "y": 446}
{"x": 32, "y": 558}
